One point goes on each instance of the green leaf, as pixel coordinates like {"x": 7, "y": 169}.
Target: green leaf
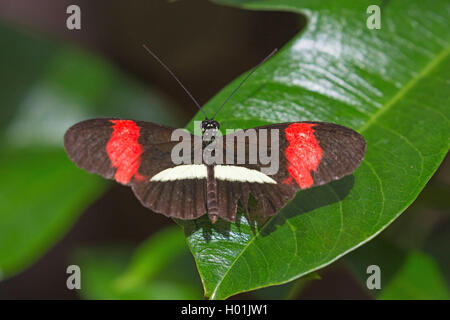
{"x": 38, "y": 205}
{"x": 152, "y": 256}
{"x": 389, "y": 84}
{"x": 418, "y": 279}
{"x": 380, "y": 252}
{"x": 414, "y": 239}
{"x": 435, "y": 248}
{"x": 405, "y": 274}
{"x": 160, "y": 268}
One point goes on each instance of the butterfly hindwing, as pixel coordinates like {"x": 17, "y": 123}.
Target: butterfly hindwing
{"x": 182, "y": 199}
{"x": 175, "y": 190}
{"x": 269, "y": 198}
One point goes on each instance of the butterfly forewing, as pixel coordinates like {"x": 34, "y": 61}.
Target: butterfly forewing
{"x": 85, "y": 144}
{"x": 114, "y": 148}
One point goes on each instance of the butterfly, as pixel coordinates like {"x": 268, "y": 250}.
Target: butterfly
{"x": 140, "y": 154}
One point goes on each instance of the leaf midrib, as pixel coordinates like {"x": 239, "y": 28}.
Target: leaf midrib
{"x": 387, "y": 106}
{"x": 406, "y": 88}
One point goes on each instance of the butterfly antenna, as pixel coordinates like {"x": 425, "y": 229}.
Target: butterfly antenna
{"x": 175, "y": 77}
{"x": 246, "y": 77}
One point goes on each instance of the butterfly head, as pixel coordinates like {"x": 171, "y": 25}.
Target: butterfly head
{"x": 210, "y": 125}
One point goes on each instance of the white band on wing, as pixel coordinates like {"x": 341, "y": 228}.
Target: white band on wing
{"x": 199, "y": 171}
{"x": 182, "y": 172}
{"x": 241, "y": 174}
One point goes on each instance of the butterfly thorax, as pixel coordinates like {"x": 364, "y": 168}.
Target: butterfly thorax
{"x": 210, "y": 129}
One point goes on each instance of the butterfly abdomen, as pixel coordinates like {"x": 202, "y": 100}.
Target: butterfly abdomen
{"x": 211, "y": 195}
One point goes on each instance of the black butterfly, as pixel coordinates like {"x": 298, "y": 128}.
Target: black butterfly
{"x": 139, "y": 154}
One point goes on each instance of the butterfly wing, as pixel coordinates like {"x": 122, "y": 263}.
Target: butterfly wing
{"x": 113, "y": 148}
{"x": 132, "y": 152}
{"x": 309, "y": 154}
{"x": 316, "y": 153}
{"x": 177, "y": 191}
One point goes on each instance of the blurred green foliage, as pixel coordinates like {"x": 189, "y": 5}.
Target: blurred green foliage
{"x": 160, "y": 268}
{"x": 46, "y": 88}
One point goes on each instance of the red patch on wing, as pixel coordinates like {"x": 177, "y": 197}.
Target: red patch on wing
{"x": 124, "y": 151}
{"x": 303, "y": 153}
